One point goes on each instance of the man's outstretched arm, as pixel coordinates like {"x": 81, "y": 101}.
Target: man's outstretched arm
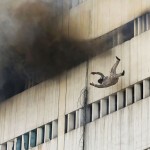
{"x": 99, "y": 73}
{"x": 97, "y": 85}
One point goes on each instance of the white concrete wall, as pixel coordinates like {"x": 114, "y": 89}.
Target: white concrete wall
{"x": 94, "y": 18}
{"x": 134, "y": 56}
{"x": 29, "y": 110}
{"x": 126, "y": 129}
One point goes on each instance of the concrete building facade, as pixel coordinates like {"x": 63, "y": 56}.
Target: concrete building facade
{"x": 66, "y": 113}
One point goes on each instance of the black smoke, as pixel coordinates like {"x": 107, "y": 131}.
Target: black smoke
{"x": 33, "y": 48}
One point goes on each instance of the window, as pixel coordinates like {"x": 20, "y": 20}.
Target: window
{"x": 147, "y": 21}
{"x": 26, "y": 141}
{"x": 144, "y": 28}
{"x": 138, "y": 91}
{"x": 147, "y": 149}
{"x": 95, "y": 110}
{"x": 66, "y": 123}
{"x": 19, "y": 143}
{"x": 71, "y": 121}
{"x": 121, "y": 99}
{"x": 48, "y": 131}
{"x": 133, "y": 97}
{"x": 141, "y": 89}
{"x": 41, "y": 133}
{"x": 127, "y": 32}
{"x": 33, "y": 138}
{"x": 104, "y": 106}
{"x": 81, "y": 117}
{"x": 146, "y": 88}
{"x": 10, "y": 145}
{"x": 54, "y": 129}
{"x": 112, "y": 103}
{"x": 88, "y": 113}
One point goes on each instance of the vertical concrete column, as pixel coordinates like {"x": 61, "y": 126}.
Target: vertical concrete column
{"x": 139, "y": 25}
{"x": 40, "y": 135}
{"x": 10, "y": 145}
{"x": 104, "y": 107}
{"x": 77, "y": 119}
{"x": 120, "y": 100}
{"x": 15, "y": 142}
{"x": 61, "y": 115}
{"x": 135, "y": 27}
{"x": 143, "y": 23}
{"x": 137, "y": 92}
{"x": 129, "y": 95}
{"x": 81, "y": 117}
{"x": 112, "y": 103}
{"x": 88, "y": 113}
{"x": 3, "y": 147}
{"x": 30, "y": 140}
{"x": 22, "y": 143}
{"x": 48, "y": 132}
{"x": 119, "y": 36}
{"x": 147, "y": 21}
{"x": 114, "y": 38}
{"x": 54, "y": 129}
{"x": 146, "y": 88}
{"x": 95, "y": 110}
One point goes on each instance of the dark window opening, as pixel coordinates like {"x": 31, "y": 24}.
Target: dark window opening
{"x": 141, "y": 88}
{"x": 26, "y": 141}
{"x": 107, "y": 105}
{"x": 99, "y": 109}
{"x": 33, "y": 138}
{"x": 115, "y": 102}
{"x": 124, "y": 98}
{"x": 74, "y": 121}
{"x": 132, "y": 94}
{"x": 42, "y": 132}
{"x": 66, "y": 123}
{"x": 88, "y": 113}
{"x": 127, "y": 32}
{"x": 50, "y": 131}
{"x": 19, "y": 143}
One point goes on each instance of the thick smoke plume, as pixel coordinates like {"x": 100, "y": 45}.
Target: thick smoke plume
{"x": 33, "y": 48}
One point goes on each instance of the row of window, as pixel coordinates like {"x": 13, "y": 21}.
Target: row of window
{"x": 107, "y": 105}
{"x": 81, "y": 116}
{"x": 124, "y": 33}
{"x": 33, "y": 138}
{"x": 142, "y": 24}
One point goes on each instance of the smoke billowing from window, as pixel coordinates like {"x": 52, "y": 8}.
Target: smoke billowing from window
{"x": 33, "y": 48}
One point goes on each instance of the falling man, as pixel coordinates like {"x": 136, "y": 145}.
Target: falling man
{"x": 106, "y": 81}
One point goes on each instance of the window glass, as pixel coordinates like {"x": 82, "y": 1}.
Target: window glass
{"x": 33, "y": 138}
{"x": 26, "y": 141}
{"x": 18, "y": 144}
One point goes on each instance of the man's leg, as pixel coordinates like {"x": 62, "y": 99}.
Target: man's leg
{"x": 113, "y": 69}
{"x": 120, "y": 74}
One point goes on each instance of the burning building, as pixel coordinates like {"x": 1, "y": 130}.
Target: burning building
{"x": 48, "y": 50}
